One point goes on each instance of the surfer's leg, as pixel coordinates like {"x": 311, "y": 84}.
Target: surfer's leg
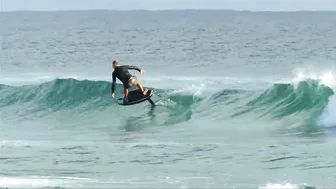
{"x": 144, "y": 91}
{"x": 126, "y": 93}
{"x": 134, "y": 81}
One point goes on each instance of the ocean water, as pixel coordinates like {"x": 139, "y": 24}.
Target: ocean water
{"x": 245, "y": 100}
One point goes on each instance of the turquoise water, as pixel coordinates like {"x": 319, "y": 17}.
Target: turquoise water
{"x": 245, "y": 100}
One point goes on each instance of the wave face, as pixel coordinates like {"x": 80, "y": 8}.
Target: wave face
{"x": 287, "y": 99}
{"x": 306, "y": 99}
{"x": 84, "y": 96}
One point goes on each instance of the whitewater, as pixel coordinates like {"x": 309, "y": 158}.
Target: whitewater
{"x": 245, "y": 100}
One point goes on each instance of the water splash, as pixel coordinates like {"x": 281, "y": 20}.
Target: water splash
{"x": 326, "y": 78}
{"x": 328, "y": 117}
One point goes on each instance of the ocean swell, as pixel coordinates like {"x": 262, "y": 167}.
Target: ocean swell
{"x": 308, "y": 97}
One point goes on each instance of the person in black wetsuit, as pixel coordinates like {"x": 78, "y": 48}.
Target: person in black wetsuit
{"x": 128, "y": 80}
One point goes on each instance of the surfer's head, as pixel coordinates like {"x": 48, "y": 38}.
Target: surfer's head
{"x": 115, "y": 63}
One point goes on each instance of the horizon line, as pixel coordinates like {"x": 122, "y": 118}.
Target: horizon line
{"x": 166, "y": 10}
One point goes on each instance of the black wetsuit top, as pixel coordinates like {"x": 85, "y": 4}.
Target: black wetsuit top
{"x": 121, "y": 72}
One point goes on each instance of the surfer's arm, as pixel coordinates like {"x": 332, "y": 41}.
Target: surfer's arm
{"x": 113, "y": 82}
{"x": 134, "y": 68}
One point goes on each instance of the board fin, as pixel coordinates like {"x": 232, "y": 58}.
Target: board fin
{"x": 151, "y": 101}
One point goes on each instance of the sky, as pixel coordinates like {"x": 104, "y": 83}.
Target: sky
{"x": 252, "y": 5}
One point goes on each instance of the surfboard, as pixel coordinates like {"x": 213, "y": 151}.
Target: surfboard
{"x": 135, "y": 97}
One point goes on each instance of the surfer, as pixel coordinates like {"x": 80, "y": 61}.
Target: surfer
{"x": 128, "y": 80}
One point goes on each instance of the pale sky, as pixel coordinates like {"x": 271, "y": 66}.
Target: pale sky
{"x": 254, "y": 5}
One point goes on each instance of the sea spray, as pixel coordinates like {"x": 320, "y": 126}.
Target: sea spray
{"x": 328, "y": 117}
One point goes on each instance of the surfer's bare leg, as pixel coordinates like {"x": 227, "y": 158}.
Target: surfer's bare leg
{"x": 133, "y": 80}
{"x": 144, "y": 91}
{"x": 126, "y": 93}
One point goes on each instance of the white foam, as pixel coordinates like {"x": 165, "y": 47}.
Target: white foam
{"x": 325, "y": 78}
{"x": 44, "y": 181}
{"x": 196, "y": 90}
{"x": 280, "y": 186}
{"x": 24, "y": 183}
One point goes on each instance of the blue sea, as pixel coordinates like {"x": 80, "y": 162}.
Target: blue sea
{"x": 244, "y": 100}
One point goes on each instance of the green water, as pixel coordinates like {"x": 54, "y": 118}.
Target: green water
{"x": 245, "y": 100}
